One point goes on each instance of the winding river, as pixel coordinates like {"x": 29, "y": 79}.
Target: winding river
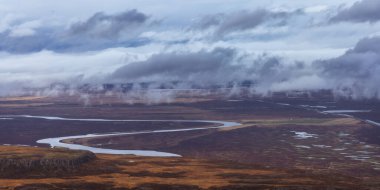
{"x": 58, "y": 141}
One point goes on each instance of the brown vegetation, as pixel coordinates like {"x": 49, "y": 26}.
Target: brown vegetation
{"x": 22, "y": 161}
{"x": 131, "y": 172}
{"x": 264, "y": 153}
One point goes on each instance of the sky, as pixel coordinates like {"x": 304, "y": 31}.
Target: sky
{"x": 277, "y": 44}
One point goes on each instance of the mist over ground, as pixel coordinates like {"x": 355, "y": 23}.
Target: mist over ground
{"x": 148, "y": 52}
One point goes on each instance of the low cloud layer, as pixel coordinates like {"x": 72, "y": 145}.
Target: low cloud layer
{"x": 221, "y": 67}
{"x": 203, "y": 66}
{"x": 353, "y": 74}
{"x": 356, "y": 73}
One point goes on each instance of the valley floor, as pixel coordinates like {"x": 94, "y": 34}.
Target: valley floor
{"x": 280, "y": 144}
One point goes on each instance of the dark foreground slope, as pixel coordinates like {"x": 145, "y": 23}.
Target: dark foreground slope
{"x": 20, "y": 162}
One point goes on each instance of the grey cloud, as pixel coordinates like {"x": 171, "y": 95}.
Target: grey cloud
{"x": 241, "y": 21}
{"x": 100, "y": 31}
{"x": 356, "y": 73}
{"x": 219, "y": 67}
{"x": 367, "y": 45}
{"x": 202, "y": 66}
{"x": 359, "y": 62}
{"x": 208, "y": 21}
{"x": 353, "y": 74}
{"x": 363, "y": 11}
{"x": 109, "y": 26}
{"x": 25, "y": 44}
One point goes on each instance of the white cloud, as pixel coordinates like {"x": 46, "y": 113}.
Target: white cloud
{"x": 316, "y": 9}
{"x": 42, "y": 68}
{"x": 30, "y": 30}
{"x": 7, "y": 21}
{"x": 25, "y": 29}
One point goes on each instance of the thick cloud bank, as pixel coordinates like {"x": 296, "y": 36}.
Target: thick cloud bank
{"x": 356, "y": 73}
{"x": 203, "y": 66}
{"x": 219, "y": 67}
{"x": 353, "y": 74}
